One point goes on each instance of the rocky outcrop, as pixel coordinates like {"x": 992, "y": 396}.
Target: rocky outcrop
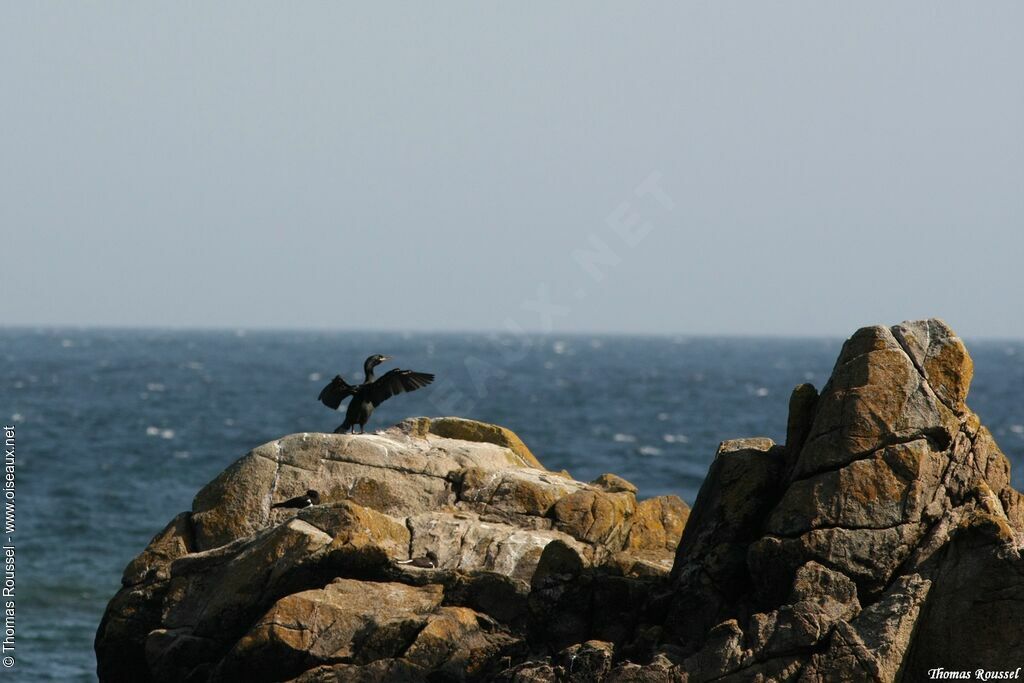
{"x": 880, "y": 541}
{"x": 239, "y": 590}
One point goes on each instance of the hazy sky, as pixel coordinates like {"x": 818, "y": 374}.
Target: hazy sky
{"x": 809, "y": 168}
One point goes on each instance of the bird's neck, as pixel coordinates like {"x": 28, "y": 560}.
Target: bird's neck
{"x": 369, "y": 372}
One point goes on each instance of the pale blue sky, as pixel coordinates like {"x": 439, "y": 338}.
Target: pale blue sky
{"x": 256, "y": 165}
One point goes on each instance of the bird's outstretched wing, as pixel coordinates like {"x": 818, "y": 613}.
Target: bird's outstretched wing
{"x": 337, "y": 391}
{"x": 397, "y": 382}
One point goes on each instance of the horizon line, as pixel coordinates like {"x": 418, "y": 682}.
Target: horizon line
{"x": 257, "y": 329}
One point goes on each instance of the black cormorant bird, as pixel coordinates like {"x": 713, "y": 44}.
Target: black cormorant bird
{"x": 371, "y": 393}
{"x": 428, "y": 561}
{"x": 310, "y": 497}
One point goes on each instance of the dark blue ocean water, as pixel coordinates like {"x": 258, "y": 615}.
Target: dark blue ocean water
{"x": 117, "y": 430}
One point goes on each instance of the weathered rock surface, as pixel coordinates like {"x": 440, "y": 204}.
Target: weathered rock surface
{"x": 238, "y": 590}
{"x": 881, "y": 540}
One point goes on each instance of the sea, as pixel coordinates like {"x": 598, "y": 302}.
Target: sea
{"x": 116, "y": 430}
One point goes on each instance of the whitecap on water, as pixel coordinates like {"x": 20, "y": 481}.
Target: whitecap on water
{"x": 1017, "y": 429}
{"x": 559, "y": 347}
{"x": 315, "y": 377}
{"x": 67, "y": 343}
{"x": 154, "y": 386}
{"x": 675, "y": 438}
{"x": 624, "y": 438}
{"x": 167, "y": 434}
{"x": 152, "y": 431}
{"x": 649, "y": 450}
{"x": 17, "y": 417}
{"x": 182, "y": 455}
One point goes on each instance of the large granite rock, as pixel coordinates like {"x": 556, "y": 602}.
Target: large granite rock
{"x": 890, "y": 505}
{"x": 239, "y": 590}
{"x": 881, "y": 541}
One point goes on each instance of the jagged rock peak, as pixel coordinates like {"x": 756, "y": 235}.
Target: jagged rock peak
{"x": 886, "y": 478}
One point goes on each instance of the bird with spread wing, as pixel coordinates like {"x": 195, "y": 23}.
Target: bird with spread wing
{"x": 371, "y": 393}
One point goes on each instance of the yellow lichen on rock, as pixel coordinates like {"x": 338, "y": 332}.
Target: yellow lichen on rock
{"x": 471, "y": 430}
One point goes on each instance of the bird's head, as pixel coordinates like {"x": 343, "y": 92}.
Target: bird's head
{"x": 313, "y": 496}
{"x": 375, "y": 360}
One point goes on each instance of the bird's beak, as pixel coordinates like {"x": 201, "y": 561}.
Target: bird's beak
{"x": 384, "y": 358}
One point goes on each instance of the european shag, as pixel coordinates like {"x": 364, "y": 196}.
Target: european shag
{"x": 428, "y": 561}
{"x": 310, "y": 497}
{"x": 371, "y": 393}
